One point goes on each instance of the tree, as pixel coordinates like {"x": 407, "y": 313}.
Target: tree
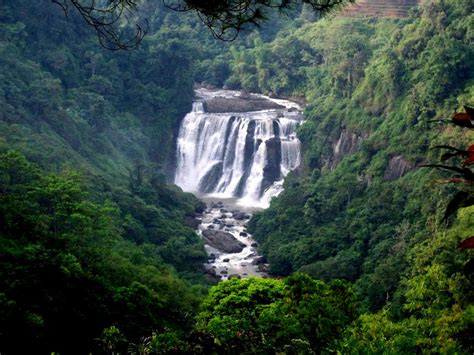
{"x": 224, "y": 18}
{"x": 297, "y": 315}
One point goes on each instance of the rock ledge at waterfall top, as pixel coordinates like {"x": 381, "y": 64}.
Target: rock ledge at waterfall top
{"x": 237, "y": 104}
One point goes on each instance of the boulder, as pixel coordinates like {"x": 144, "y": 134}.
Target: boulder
{"x": 259, "y": 260}
{"x": 222, "y": 241}
{"x": 243, "y": 234}
{"x": 192, "y": 222}
{"x": 226, "y": 260}
{"x": 239, "y": 216}
{"x": 217, "y": 204}
{"x": 254, "y": 244}
{"x": 212, "y": 276}
{"x": 213, "y": 279}
{"x": 211, "y": 226}
{"x": 211, "y": 272}
{"x": 224, "y": 272}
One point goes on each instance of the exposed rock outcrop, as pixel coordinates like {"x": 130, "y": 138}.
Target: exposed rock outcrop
{"x": 211, "y": 179}
{"x": 272, "y": 171}
{"x": 239, "y": 104}
{"x": 259, "y": 260}
{"x": 222, "y": 241}
{"x": 192, "y": 222}
{"x": 238, "y": 215}
{"x": 397, "y": 167}
{"x": 347, "y": 143}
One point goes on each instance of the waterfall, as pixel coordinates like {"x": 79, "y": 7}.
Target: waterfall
{"x": 241, "y": 155}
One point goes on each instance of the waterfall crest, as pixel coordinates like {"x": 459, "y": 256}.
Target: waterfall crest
{"x": 242, "y": 155}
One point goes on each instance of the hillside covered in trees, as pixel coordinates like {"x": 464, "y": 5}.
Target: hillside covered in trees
{"x": 96, "y": 250}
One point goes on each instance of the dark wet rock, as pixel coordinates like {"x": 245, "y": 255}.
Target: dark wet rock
{"x": 239, "y": 104}
{"x": 212, "y": 276}
{"x": 249, "y": 148}
{"x": 192, "y": 222}
{"x": 223, "y": 210}
{"x": 223, "y": 216}
{"x": 243, "y": 265}
{"x": 211, "y": 226}
{"x": 276, "y": 128}
{"x": 226, "y": 260}
{"x": 212, "y": 256}
{"x": 244, "y": 274}
{"x": 224, "y": 272}
{"x": 216, "y": 221}
{"x": 201, "y": 207}
{"x": 239, "y": 216}
{"x": 262, "y": 268}
{"x": 210, "y": 180}
{"x": 397, "y": 167}
{"x": 211, "y": 272}
{"x": 222, "y": 241}
{"x": 259, "y": 260}
{"x": 244, "y": 94}
{"x": 247, "y": 216}
{"x": 229, "y": 225}
{"x": 243, "y": 234}
{"x": 234, "y": 276}
{"x": 254, "y": 244}
{"x": 218, "y": 204}
{"x": 272, "y": 169}
{"x": 213, "y": 279}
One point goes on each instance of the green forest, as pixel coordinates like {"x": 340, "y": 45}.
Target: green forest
{"x": 365, "y": 244}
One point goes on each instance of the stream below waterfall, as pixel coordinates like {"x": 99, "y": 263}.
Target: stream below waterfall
{"x": 227, "y": 217}
{"x": 233, "y": 152}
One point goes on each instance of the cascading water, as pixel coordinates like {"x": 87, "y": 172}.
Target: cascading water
{"x": 241, "y": 158}
{"x": 241, "y": 155}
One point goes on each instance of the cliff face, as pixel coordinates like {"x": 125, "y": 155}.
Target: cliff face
{"x": 385, "y": 8}
{"x": 397, "y": 167}
{"x": 347, "y": 143}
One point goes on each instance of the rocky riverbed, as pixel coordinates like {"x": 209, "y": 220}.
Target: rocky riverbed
{"x": 231, "y": 250}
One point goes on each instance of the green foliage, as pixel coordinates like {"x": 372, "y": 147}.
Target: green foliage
{"x": 67, "y": 272}
{"x": 95, "y": 254}
{"x": 357, "y": 205}
{"x": 438, "y": 298}
{"x": 296, "y": 315}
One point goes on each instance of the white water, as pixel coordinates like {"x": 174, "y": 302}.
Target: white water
{"x": 227, "y": 155}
